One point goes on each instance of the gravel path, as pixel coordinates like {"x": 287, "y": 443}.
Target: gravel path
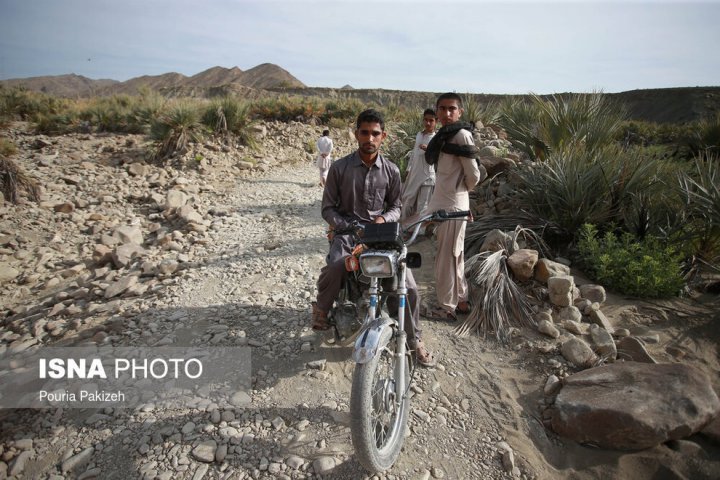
{"x": 252, "y": 286}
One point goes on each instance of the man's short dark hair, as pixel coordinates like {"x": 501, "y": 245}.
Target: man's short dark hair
{"x": 326, "y": 132}
{"x": 429, "y": 111}
{"x": 371, "y": 116}
{"x": 450, "y": 96}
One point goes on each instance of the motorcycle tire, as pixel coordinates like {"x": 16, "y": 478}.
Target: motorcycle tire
{"x": 378, "y": 422}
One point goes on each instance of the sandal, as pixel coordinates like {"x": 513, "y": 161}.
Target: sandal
{"x": 319, "y": 319}
{"x": 463, "y": 307}
{"x": 439, "y": 313}
{"x": 424, "y": 356}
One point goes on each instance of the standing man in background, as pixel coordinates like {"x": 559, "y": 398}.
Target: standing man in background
{"x": 420, "y": 178}
{"x": 453, "y": 152}
{"x": 324, "y": 160}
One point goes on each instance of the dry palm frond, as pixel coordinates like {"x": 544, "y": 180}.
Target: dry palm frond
{"x": 13, "y": 179}
{"x": 498, "y": 303}
{"x": 533, "y": 231}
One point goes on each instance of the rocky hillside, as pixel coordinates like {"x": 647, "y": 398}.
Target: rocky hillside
{"x": 263, "y": 76}
{"x": 61, "y": 85}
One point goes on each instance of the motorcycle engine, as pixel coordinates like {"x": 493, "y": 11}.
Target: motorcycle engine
{"x": 348, "y": 319}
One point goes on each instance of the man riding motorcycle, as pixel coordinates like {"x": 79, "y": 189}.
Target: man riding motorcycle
{"x": 363, "y": 188}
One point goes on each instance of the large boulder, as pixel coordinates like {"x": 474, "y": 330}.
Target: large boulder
{"x": 632, "y": 406}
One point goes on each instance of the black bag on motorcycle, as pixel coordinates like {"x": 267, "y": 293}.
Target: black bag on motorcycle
{"x": 383, "y": 235}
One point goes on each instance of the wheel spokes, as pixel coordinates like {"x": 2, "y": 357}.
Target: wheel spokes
{"x": 384, "y": 400}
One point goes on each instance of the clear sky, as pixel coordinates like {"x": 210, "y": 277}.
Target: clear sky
{"x": 471, "y": 46}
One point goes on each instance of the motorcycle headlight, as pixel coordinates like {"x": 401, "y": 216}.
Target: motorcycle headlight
{"x": 378, "y": 264}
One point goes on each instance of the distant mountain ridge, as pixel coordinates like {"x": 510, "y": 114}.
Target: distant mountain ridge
{"x": 661, "y": 105}
{"x": 262, "y": 76}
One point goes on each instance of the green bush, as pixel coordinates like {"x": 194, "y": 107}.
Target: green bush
{"x": 641, "y": 268}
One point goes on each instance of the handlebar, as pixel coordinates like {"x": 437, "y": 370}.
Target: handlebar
{"x": 441, "y": 215}
{"x": 356, "y": 229}
{"x": 460, "y": 214}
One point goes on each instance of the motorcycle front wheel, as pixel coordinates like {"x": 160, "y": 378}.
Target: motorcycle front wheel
{"x": 378, "y": 410}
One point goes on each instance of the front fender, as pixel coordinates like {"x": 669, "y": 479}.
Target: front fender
{"x": 372, "y": 339}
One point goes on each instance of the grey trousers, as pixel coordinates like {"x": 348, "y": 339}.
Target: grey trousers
{"x": 333, "y": 273}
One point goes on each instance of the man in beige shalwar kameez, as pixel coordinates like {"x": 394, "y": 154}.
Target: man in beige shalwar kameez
{"x": 455, "y": 177}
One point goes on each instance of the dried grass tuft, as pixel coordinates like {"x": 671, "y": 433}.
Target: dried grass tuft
{"x": 14, "y": 180}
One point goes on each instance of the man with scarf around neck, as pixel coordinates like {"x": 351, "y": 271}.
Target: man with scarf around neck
{"x": 456, "y": 174}
{"x": 363, "y": 187}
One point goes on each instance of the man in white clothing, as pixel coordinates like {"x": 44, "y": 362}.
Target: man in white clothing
{"x": 420, "y": 179}
{"x": 324, "y": 160}
{"x": 456, "y": 176}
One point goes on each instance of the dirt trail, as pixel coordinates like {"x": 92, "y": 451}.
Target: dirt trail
{"x": 253, "y": 287}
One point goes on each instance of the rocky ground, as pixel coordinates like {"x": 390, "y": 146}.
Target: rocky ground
{"x": 225, "y": 252}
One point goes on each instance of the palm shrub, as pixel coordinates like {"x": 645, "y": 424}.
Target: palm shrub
{"x": 148, "y": 106}
{"x": 520, "y": 118}
{"x": 57, "y": 124}
{"x": 699, "y": 188}
{"x": 541, "y": 126}
{"x": 402, "y": 139}
{"x": 286, "y": 108}
{"x": 704, "y": 137}
{"x": 175, "y": 129}
{"x": 643, "y": 267}
{"x": 18, "y": 102}
{"x": 575, "y": 186}
{"x": 344, "y": 109}
{"x": 230, "y": 116}
{"x": 471, "y": 109}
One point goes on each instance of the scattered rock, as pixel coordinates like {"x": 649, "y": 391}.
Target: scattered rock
{"x": 522, "y": 263}
{"x": 579, "y": 353}
{"x": 560, "y": 289}
{"x": 205, "y": 451}
{"x": 323, "y": 465}
{"x": 547, "y": 328}
{"x": 594, "y": 293}
{"x": 633, "y": 349}
{"x": 546, "y": 268}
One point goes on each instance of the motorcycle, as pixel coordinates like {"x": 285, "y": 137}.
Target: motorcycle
{"x": 379, "y": 398}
